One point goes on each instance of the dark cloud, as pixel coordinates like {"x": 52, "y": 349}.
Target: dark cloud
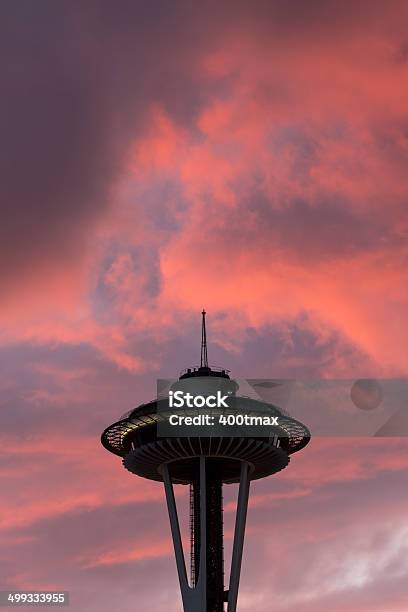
{"x": 77, "y": 80}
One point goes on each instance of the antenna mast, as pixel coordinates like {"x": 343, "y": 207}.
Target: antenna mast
{"x": 204, "y": 357}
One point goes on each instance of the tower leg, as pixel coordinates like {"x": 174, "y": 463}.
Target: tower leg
{"x": 175, "y": 532}
{"x": 194, "y": 598}
{"x": 238, "y": 546}
{"x": 207, "y": 594}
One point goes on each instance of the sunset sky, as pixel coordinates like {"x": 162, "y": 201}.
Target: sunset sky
{"x": 160, "y": 157}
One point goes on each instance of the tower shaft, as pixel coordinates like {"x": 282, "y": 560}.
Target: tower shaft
{"x": 214, "y": 540}
{"x": 207, "y": 594}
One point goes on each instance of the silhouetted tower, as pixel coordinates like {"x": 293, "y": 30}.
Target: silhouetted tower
{"x": 205, "y": 463}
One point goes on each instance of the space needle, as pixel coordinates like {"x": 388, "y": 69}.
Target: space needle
{"x": 206, "y": 460}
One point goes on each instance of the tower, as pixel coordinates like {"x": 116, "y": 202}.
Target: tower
{"x": 206, "y": 459}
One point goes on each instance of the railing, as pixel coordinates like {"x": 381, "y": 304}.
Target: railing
{"x": 195, "y": 368}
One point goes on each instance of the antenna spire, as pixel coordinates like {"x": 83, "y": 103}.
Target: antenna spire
{"x": 204, "y": 357}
